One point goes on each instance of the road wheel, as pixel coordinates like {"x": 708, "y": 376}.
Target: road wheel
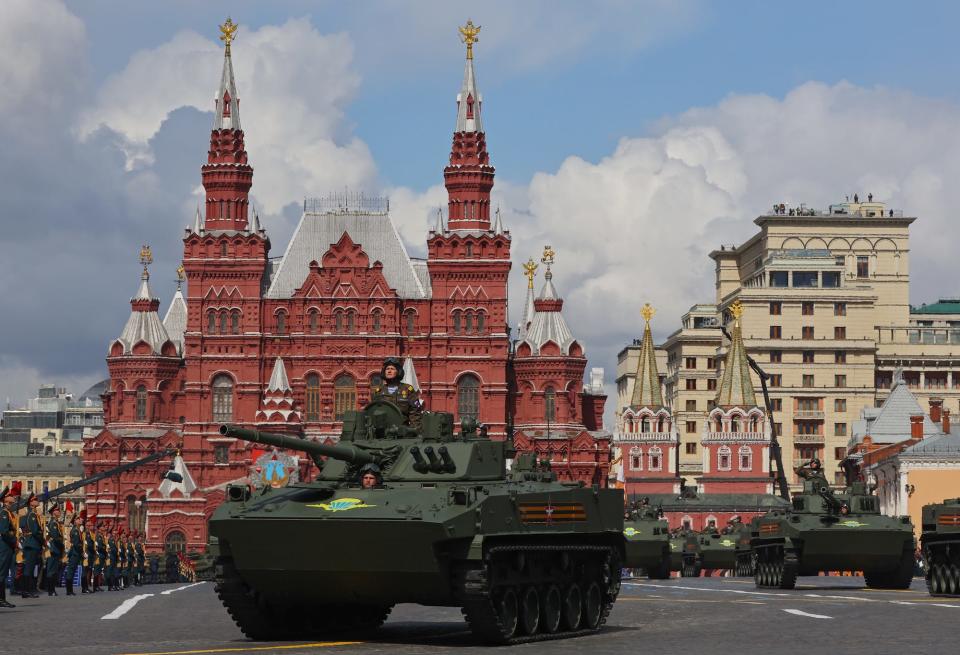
{"x": 953, "y": 580}
{"x": 592, "y": 606}
{"x": 551, "y": 606}
{"x": 507, "y": 612}
{"x": 572, "y": 607}
{"x": 530, "y": 611}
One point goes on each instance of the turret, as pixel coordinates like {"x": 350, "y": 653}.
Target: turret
{"x": 350, "y": 454}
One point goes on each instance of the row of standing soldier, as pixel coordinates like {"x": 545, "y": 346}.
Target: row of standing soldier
{"x": 43, "y": 547}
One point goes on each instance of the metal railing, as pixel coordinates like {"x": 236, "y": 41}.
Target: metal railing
{"x": 347, "y": 202}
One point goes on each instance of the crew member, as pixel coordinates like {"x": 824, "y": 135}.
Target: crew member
{"x": 370, "y": 476}
{"x": 51, "y": 574}
{"x": 400, "y": 393}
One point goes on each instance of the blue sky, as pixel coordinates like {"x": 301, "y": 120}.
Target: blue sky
{"x": 633, "y": 136}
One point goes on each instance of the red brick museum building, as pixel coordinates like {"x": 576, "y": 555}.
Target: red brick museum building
{"x": 290, "y": 344}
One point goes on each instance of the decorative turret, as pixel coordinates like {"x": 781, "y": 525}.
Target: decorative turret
{"x": 278, "y": 405}
{"x": 548, "y": 330}
{"x": 736, "y": 438}
{"x": 646, "y": 439}
{"x": 175, "y": 320}
{"x": 530, "y": 272}
{"x": 144, "y": 333}
{"x": 469, "y": 177}
{"x": 227, "y": 177}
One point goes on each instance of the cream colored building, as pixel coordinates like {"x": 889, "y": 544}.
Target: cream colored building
{"x": 827, "y": 314}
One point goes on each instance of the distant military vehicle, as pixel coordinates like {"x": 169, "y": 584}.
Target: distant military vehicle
{"x": 941, "y": 547}
{"x": 526, "y": 557}
{"x": 647, "y": 541}
{"x": 828, "y": 531}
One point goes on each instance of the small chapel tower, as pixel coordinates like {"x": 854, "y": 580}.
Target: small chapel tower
{"x": 736, "y": 439}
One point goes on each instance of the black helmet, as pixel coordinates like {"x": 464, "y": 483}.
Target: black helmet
{"x": 396, "y": 363}
{"x": 370, "y": 468}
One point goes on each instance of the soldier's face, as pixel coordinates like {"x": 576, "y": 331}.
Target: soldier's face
{"x": 390, "y": 372}
{"x": 369, "y": 481}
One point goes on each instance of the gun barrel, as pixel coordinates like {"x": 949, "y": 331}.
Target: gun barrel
{"x": 347, "y": 453}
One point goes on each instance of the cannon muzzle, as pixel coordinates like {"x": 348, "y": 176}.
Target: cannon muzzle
{"x": 347, "y": 453}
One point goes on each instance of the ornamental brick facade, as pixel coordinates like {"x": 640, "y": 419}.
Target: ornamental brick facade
{"x": 291, "y": 344}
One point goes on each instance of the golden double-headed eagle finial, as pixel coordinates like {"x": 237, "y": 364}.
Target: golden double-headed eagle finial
{"x": 530, "y": 270}
{"x": 548, "y": 254}
{"x": 647, "y": 312}
{"x": 146, "y": 256}
{"x": 228, "y": 32}
{"x": 468, "y": 34}
{"x": 181, "y": 274}
{"x": 736, "y": 310}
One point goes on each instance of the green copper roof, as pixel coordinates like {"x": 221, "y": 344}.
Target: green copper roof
{"x": 736, "y": 387}
{"x": 646, "y": 388}
{"x": 942, "y": 306}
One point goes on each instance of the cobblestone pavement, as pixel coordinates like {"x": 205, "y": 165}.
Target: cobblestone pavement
{"x": 711, "y": 615}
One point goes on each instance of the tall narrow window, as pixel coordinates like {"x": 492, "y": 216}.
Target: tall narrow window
{"x": 141, "y": 403}
{"x": 377, "y": 321}
{"x": 656, "y": 458}
{"x": 235, "y": 321}
{"x": 456, "y": 321}
{"x": 344, "y": 396}
{"x": 863, "y": 266}
{"x": 723, "y": 458}
{"x": 746, "y": 458}
{"x": 223, "y": 249}
{"x": 481, "y": 319}
{"x": 222, "y": 399}
{"x": 468, "y": 322}
{"x": 212, "y": 322}
{"x": 281, "y": 322}
{"x": 469, "y": 249}
{"x": 313, "y": 397}
{"x": 468, "y": 397}
{"x": 351, "y": 322}
{"x": 338, "y": 321}
{"x": 224, "y": 318}
{"x": 411, "y": 322}
{"x": 550, "y": 404}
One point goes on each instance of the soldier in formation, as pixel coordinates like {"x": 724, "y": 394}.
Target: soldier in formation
{"x": 102, "y": 554}
{"x": 89, "y": 558}
{"x": 9, "y": 528}
{"x": 31, "y": 539}
{"x": 76, "y": 554}
{"x": 112, "y": 555}
{"x": 141, "y": 559}
{"x": 56, "y": 549}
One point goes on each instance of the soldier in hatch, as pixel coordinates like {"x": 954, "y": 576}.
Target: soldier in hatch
{"x": 370, "y": 476}
{"x": 401, "y": 394}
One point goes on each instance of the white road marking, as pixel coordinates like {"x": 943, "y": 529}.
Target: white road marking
{"x": 729, "y": 591}
{"x": 808, "y": 614}
{"x": 903, "y": 602}
{"x": 170, "y": 591}
{"x": 866, "y": 600}
{"x": 943, "y": 605}
{"x": 124, "y": 607}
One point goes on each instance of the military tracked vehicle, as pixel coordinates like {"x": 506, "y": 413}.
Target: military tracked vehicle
{"x": 827, "y": 531}
{"x": 526, "y": 557}
{"x": 647, "y": 542}
{"x": 685, "y": 553}
{"x": 727, "y": 550}
{"x": 941, "y": 547}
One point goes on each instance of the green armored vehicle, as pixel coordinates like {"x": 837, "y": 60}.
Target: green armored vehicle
{"x": 646, "y": 541}
{"x": 441, "y": 523}
{"x": 685, "y": 553}
{"x": 941, "y": 547}
{"x": 827, "y": 531}
{"x": 727, "y": 550}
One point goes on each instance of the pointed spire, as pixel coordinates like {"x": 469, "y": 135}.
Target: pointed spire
{"x": 186, "y": 486}
{"x": 144, "y": 323}
{"x": 227, "y": 109}
{"x": 439, "y": 228}
{"x": 255, "y": 223}
{"x": 198, "y": 222}
{"x": 144, "y": 292}
{"x": 549, "y": 292}
{"x": 498, "y": 224}
{"x": 278, "y": 380}
{"x": 410, "y": 374}
{"x": 736, "y": 387}
{"x": 469, "y": 100}
{"x": 175, "y": 320}
{"x": 646, "y": 386}
{"x": 530, "y": 271}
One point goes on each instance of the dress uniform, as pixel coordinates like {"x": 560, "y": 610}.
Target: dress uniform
{"x": 141, "y": 559}
{"x": 56, "y": 549}
{"x": 75, "y": 556}
{"x": 8, "y": 538}
{"x": 112, "y": 554}
{"x": 401, "y": 394}
{"x": 121, "y": 561}
{"x": 102, "y": 554}
{"x": 131, "y": 560}
{"x": 89, "y": 559}
{"x": 31, "y": 529}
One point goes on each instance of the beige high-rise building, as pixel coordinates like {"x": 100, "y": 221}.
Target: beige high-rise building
{"x": 826, "y": 297}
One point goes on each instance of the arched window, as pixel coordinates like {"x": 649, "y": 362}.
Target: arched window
{"x": 136, "y": 513}
{"x": 456, "y": 321}
{"x": 223, "y": 249}
{"x": 235, "y": 321}
{"x": 645, "y": 425}
{"x": 223, "y": 322}
{"x": 351, "y": 322}
{"x": 377, "y": 321}
{"x": 344, "y": 396}
{"x": 212, "y": 322}
{"x": 656, "y": 458}
{"x": 313, "y": 321}
{"x": 660, "y": 424}
{"x": 338, "y": 321}
{"x": 313, "y": 397}
{"x": 469, "y": 250}
{"x": 723, "y": 458}
{"x": 411, "y": 319}
{"x": 746, "y": 458}
{"x": 222, "y": 399}
{"x": 281, "y": 322}
{"x": 550, "y": 404}
{"x": 636, "y": 459}
{"x": 176, "y": 541}
{"x": 468, "y": 322}
{"x": 735, "y": 423}
{"x": 141, "y": 403}
{"x": 468, "y": 397}
{"x": 481, "y": 319}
